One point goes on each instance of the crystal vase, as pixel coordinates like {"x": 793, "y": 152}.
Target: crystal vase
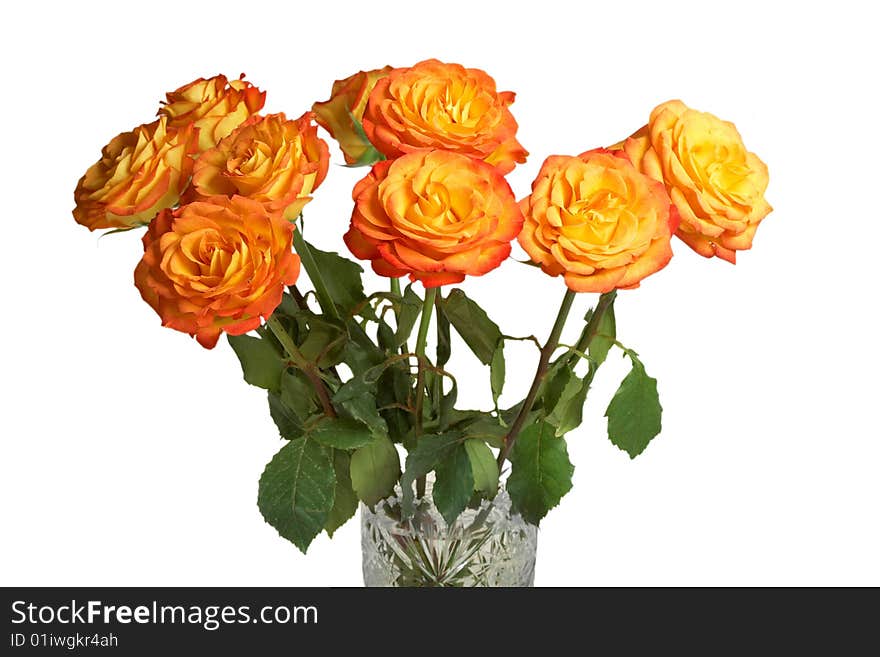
{"x": 485, "y": 546}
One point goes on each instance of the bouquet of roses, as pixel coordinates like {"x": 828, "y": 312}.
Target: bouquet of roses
{"x": 350, "y": 377}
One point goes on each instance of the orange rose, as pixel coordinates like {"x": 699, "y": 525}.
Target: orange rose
{"x": 140, "y": 173}
{"x": 716, "y": 184}
{"x": 443, "y": 106}
{"x": 341, "y": 115}
{"x": 269, "y": 159}
{"x": 216, "y": 265}
{"x": 598, "y": 221}
{"x": 437, "y": 216}
{"x": 215, "y": 106}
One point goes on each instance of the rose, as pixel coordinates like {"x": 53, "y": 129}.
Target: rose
{"x": 443, "y": 106}
{"x": 140, "y": 173}
{"x": 270, "y": 159}
{"x": 716, "y": 184}
{"x": 215, "y": 106}
{"x": 437, "y": 216}
{"x": 216, "y": 265}
{"x": 341, "y": 114}
{"x": 598, "y": 221}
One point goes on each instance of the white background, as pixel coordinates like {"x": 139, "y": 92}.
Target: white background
{"x": 130, "y": 455}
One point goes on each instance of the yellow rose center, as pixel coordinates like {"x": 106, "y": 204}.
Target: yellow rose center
{"x": 439, "y": 205}
{"x": 712, "y": 153}
{"x": 596, "y": 208}
{"x": 457, "y": 106}
{"x": 253, "y": 164}
{"x": 210, "y": 263}
{"x": 599, "y": 212}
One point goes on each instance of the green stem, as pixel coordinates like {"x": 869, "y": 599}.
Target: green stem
{"x": 395, "y": 289}
{"x": 421, "y": 344}
{"x": 606, "y": 301}
{"x": 287, "y": 342}
{"x": 300, "y": 361}
{"x": 540, "y": 373}
{"x": 427, "y": 310}
{"x": 311, "y": 267}
{"x": 438, "y": 379}
{"x": 298, "y": 297}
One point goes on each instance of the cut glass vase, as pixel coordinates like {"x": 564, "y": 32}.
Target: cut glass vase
{"x": 485, "y": 546}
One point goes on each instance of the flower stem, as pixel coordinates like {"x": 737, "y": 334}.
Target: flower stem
{"x": 395, "y": 289}
{"x": 298, "y": 297}
{"x": 606, "y": 301}
{"x": 540, "y": 373}
{"x": 438, "y": 378}
{"x": 421, "y": 344}
{"x": 311, "y": 267}
{"x": 305, "y": 366}
{"x": 427, "y": 310}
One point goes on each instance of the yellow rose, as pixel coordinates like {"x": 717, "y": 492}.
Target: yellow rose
{"x": 597, "y": 221}
{"x": 715, "y": 183}
{"x": 139, "y": 174}
{"x": 216, "y": 266}
{"x": 341, "y": 114}
{"x": 439, "y": 106}
{"x": 268, "y": 159}
{"x": 436, "y": 216}
{"x": 215, "y": 106}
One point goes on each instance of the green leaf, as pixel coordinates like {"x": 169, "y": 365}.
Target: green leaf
{"x": 555, "y": 387}
{"x": 507, "y": 416}
{"x": 634, "y": 412}
{"x": 288, "y": 306}
{"x": 325, "y": 342}
{"x": 260, "y": 362}
{"x": 344, "y": 501}
{"x": 408, "y": 310}
{"x": 357, "y": 399}
{"x": 447, "y": 405}
{"x": 487, "y": 429}
{"x": 370, "y": 156}
{"x": 298, "y": 394}
{"x": 296, "y": 491}
{"x": 289, "y": 425}
{"x": 430, "y": 450}
{"x": 386, "y": 336}
{"x": 472, "y": 323}
{"x": 292, "y": 408}
{"x": 374, "y": 470}
{"x": 567, "y": 414}
{"x": 605, "y": 336}
{"x": 341, "y": 433}
{"x": 454, "y": 483}
{"x": 359, "y": 352}
{"x": 497, "y": 372}
{"x": 541, "y": 472}
{"x": 395, "y": 387}
{"x": 483, "y": 465}
{"x": 342, "y": 277}
{"x": 116, "y": 231}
